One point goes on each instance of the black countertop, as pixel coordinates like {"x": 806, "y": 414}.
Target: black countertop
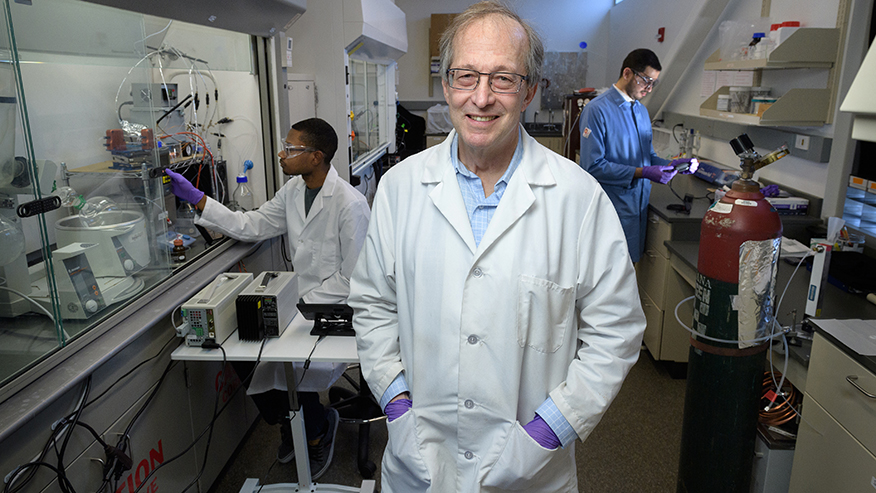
{"x": 687, "y": 226}
{"x": 837, "y": 303}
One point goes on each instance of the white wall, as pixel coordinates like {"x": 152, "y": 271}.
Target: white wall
{"x": 318, "y": 49}
{"x": 563, "y": 24}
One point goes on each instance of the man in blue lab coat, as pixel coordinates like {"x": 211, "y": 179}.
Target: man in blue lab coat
{"x": 616, "y": 146}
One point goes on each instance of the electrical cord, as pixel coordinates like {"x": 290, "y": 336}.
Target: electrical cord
{"x": 209, "y": 426}
{"x": 77, "y": 416}
{"x": 31, "y": 300}
{"x": 59, "y": 428}
{"x": 215, "y": 414}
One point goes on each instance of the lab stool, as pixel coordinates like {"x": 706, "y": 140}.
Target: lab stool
{"x": 358, "y": 408}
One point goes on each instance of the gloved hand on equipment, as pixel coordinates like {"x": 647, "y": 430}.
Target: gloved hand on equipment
{"x": 770, "y": 191}
{"x": 659, "y": 174}
{"x": 396, "y": 409}
{"x": 685, "y": 165}
{"x": 183, "y": 188}
{"x": 541, "y": 433}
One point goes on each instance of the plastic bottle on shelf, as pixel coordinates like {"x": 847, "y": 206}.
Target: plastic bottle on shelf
{"x": 242, "y": 199}
{"x": 185, "y": 219}
{"x": 752, "y": 51}
{"x": 773, "y": 37}
{"x": 785, "y": 30}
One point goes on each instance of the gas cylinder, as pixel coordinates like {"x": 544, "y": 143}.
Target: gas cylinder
{"x": 740, "y": 238}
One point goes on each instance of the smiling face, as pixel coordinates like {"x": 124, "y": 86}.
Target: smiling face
{"x": 486, "y": 122}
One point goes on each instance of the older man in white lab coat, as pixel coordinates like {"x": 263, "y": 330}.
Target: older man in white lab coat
{"x": 326, "y": 220}
{"x": 496, "y": 308}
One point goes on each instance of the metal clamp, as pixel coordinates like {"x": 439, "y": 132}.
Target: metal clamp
{"x": 852, "y": 379}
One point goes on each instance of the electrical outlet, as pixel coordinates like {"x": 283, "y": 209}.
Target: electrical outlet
{"x": 802, "y": 142}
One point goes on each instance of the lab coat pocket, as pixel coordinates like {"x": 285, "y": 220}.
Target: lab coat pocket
{"x": 544, "y": 310}
{"x": 404, "y": 469}
{"x": 523, "y": 465}
{"x": 625, "y": 199}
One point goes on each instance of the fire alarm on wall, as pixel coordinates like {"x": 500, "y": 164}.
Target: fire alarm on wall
{"x": 660, "y": 34}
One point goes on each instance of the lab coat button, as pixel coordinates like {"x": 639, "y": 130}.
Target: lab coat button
{"x": 469, "y": 404}
{"x": 478, "y": 272}
{"x": 468, "y": 454}
{"x": 472, "y": 339}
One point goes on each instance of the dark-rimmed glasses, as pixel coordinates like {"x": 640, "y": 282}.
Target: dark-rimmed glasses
{"x": 500, "y": 82}
{"x": 647, "y": 82}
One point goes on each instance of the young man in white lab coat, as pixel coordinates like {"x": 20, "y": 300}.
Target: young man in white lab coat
{"x": 495, "y": 304}
{"x": 326, "y": 220}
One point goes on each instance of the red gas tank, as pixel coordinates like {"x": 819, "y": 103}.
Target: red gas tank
{"x": 743, "y": 214}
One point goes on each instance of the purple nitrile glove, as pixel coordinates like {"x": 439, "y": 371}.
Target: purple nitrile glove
{"x": 770, "y": 191}
{"x": 541, "y": 433}
{"x": 183, "y": 188}
{"x": 660, "y": 174}
{"x": 396, "y": 409}
{"x": 685, "y": 166}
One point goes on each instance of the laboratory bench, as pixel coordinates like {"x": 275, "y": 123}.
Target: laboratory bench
{"x": 665, "y": 277}
{"x": 836, "y": 440}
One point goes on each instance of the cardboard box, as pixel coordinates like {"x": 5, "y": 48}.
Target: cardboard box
{"x": 439, "y": 24}
{"x": 793, "y": 206}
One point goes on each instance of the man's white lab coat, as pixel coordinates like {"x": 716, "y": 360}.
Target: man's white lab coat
{"x": 323, "y": 245}
{"x": 546, "y": 305}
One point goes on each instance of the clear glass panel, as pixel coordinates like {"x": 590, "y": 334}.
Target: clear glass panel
{"x": 368, "y": 101}
{"x": 373, "y": 113}
{"x": 94, "y": 101}
{"x": 359, "y": 108}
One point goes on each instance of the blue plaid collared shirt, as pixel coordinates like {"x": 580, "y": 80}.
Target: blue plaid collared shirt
{"x": 481, "y": 209}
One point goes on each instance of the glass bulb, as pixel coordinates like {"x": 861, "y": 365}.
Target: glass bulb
{"x": 92, "y": 211}
{"x": 69, "y": 197}
{"x": 11, "y": 241}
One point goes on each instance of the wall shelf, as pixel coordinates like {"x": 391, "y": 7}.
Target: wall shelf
{"x": 797, "y": 108}
{"x": 805, "y": 48}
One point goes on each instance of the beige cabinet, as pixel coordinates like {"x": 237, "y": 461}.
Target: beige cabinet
{"x": 837, "y": 436}
{"x": 662, "y": 285}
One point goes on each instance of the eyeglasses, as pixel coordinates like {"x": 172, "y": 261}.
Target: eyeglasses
{"x": 648, "y": 82}
{"x": 294, "y": 151}
{"x": 500, "y": 82}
